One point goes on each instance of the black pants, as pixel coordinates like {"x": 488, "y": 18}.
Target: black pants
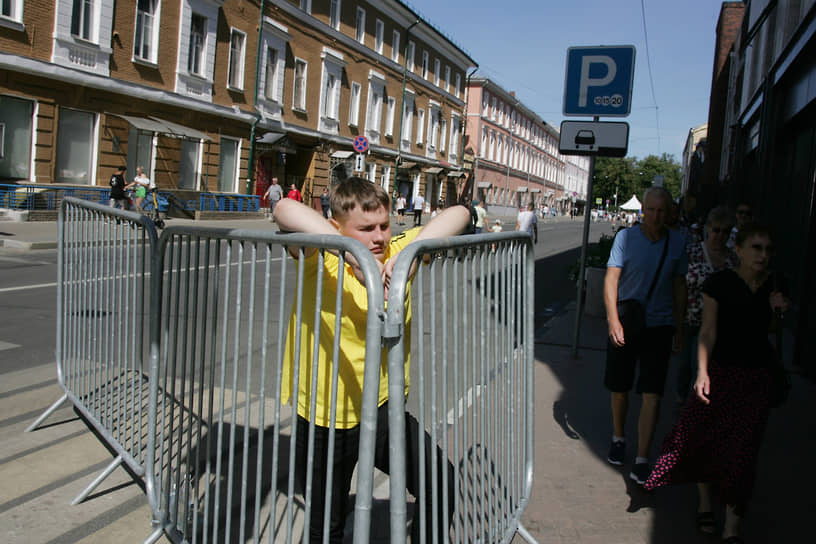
{"x": 346, "y": 446}
{"x": 417, "y": 217}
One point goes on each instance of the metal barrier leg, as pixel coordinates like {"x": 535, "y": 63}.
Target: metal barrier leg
{"x": 47, "y": 413}
{"x": 154, "y": 536}
{"x": 105, "y": 473}
{"x": 525, "y": 534}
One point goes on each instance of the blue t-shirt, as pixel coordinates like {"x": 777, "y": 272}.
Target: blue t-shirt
{"x": 638, "y": 258}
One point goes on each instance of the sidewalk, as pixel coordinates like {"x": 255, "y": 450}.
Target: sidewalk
{"x": 31, "y": 235}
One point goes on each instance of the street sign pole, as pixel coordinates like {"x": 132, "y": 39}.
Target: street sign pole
{"x": 579, "y": 308}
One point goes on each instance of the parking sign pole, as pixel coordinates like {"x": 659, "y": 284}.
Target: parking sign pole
{"x": 579, "y": 307}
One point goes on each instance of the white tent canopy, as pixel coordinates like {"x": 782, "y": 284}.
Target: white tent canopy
{"x": 633, "y": 204}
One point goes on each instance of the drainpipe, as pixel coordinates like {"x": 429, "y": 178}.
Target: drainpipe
{"x": 402, "y": 106}
{"x": 251, "y": 166}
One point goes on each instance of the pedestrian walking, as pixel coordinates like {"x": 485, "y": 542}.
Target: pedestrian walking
{"x": 324, "y": 202}
{"x": 716, "y": 440}
{"x": 481, "y": 216}
{"x": 294, "y": 193}
{"x": 273, "y": 195}
{"x": 528, "y": 222}
{"x": 140, "y": 184}
{"x": 118, "y": 197}
{"x": 645, "y": 297}
{"x": 419, "y": 205}
{"x": 401, "y": 204}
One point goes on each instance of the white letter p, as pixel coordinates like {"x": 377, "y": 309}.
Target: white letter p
{"x": 587, "y": 82}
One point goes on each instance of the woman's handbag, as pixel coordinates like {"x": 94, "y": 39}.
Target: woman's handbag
{"x": 631, "y": 313}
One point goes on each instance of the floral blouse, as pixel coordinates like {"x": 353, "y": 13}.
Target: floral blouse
{"x": 700, "y": 268}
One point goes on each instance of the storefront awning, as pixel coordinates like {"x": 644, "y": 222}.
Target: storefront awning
{"x": 407, "y": 165}
{"x": 432, "y": 170}
{"x": 484, "y": 185}
{"x": 270, "y": 138}
{"x": 535, "y": 190}
{"x": 456, "y": 174}
{"x": 342, "y": 154}
{"x": 154, "y": 124}
{"x": 521, "y": 190}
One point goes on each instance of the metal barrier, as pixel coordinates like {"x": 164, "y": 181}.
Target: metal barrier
{"x": 103, "y": 296}
{"x": 228, "y": 202}
{"x": 471, "y": 344}
{"x": 223, "y": 442}
{"x": 47, "y": 197}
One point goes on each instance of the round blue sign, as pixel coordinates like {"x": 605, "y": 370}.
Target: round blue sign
{"x": 360, "y": 144}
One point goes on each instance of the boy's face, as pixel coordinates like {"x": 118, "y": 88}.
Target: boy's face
{"x": 372, "y": 229}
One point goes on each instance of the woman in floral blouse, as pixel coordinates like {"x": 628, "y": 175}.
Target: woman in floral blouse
{"x": 704, "y": 258}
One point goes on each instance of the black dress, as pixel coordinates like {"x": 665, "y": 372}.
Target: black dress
{"x": 719, "y": 442}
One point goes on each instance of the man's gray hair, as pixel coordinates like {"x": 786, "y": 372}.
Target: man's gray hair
{"x": 662, "y": 192}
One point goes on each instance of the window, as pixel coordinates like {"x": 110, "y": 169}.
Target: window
{"x": 331, "y": 97}
{"x": 407, "y": 121}
{"x": 16, "y": 124}
{"x": 437, "y": 70}
{"x": 491, "y": 150}
{"x": 395, "y": 43}
{"x": 501, "y": 112}
{"x": 376, "y": 91}
{"x": 354, "y": 104}
{"x": 410, "y": 60}
{"x": 271, "y": 74}
{"x": 228, "y": 166}
{"x": 389, "y": 117}
{"x": 334, "y": 14}
{"x": 360, "y": 35}
{"x": 379, "y": 36}
{"x": 198, "y": 34}
{"x": 485, "y": 105}
{"x": 483, "y": 147}
{"x": 83, "y": 19}
{"x": 306, "y": 5}
{"x": 372, "y": 172}
{"x": 235, "y": 77}
{"x": 12, "y": 9}
{"x": 299, "y": 93}
{"x": 188, "y": 165}
{"x": 493, "y": 109}
{"x": 443, "y": 133}
{"x": 454, "y": 140}
{"x": 75, "y": 147}
{"x": 386, "y": 177}
{"x": 447, "y": 79}
{"x": 433, "y": 129}
{"x": 420, "y": 125}
{"x": 424, "y": 65}
{"x": 458, "y": 85}
{"x": 147, "y": 30}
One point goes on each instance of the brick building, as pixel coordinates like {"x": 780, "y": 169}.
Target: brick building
{"x": 212, "y": 95}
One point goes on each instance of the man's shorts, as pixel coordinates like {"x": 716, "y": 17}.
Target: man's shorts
{"x": 653, "y": 351}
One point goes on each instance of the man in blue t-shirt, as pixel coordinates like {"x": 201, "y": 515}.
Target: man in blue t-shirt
{"x": 633, "y": 264}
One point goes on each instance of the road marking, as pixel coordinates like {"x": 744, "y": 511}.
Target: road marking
{"x": 7, "y": 345}
{"x": 24, "y": 287}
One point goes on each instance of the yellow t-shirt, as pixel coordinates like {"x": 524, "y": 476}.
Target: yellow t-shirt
{"x": 351, "y": 356}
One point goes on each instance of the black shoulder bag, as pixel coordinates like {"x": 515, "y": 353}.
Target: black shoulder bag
{"x": 631, "y": 313}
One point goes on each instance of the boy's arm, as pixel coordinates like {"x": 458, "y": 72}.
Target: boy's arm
{"x": 293, "y": 216}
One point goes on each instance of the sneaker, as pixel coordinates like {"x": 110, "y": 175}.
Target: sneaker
{"x": 617, "y": 451}
{"x": 640, "y": 472}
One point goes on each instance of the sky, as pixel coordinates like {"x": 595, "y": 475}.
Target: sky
{"x": 522, "y": 46}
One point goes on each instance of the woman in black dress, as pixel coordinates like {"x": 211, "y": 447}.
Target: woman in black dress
{"x": 717, "y": 437}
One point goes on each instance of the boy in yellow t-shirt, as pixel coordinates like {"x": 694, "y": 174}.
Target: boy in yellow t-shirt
{"x": 360, "y": 210}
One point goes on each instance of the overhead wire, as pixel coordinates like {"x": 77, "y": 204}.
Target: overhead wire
{"x": 649, "y": 66}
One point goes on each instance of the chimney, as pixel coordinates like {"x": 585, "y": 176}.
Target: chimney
{"x": 513, "y": 94}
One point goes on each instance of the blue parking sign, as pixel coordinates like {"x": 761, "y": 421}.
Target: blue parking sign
{"x": 599, "y": 81}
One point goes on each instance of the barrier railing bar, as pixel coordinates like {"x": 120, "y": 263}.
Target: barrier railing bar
{"x": 294, "y": 399}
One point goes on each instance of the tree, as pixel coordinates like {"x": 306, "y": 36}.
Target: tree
{"x": 629, "y": 176}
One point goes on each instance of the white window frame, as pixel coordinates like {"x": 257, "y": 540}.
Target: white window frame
{"x": 437, "y": 71}
{"x": 299, "y": 101}
{"x": 94, "y": 146}
{"x": 483, "y": 147}
{"x": 458, "y": 86}
{"x": 425, "y": 60}
{"x": 88, "y": 24}
{"x": 274, "y": 40}
{"x": 306, "y": 5}
{"x": 372, "y": 172}
{"x": 86, "y": 47}
{"x": 150, "y": 42}
{"x": 379, "y": 36}
{"x": 407, "y": 120}
{"x": 447, "y": 79}
{"x": 410, "y": 61}
{"x": 235, "y": 173}
{"x": 420, "y": 126}
{"x": 385, "y": 179}
{"x": 202, "y": 61}
{"x": 395, "y": 45}
{"x": 374, "y": 106}
{"x": 335, "y": 8}
{"x": 235, "y": 68}
{"x": 15, "y": 15}
{"x": 271, "y": 74}
{"x": 433, "y": 127}
{"x": 389, "y": 116}
{"x": 443, "y": 133}
{"x": 354, "y": 104}
{"x": 331, "y": 80}
{"x": 359, "y": 28}
{"x": 453, "y": 147}
{"x": 485, "y": 104}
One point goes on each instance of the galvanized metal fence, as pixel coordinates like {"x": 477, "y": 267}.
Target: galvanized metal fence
{"x": 470, "y": 341}
{"x": 223, "y": 449}
{"x": 103, "y": 297}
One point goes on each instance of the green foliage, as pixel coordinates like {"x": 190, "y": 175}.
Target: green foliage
{"x": 631, "y": 176}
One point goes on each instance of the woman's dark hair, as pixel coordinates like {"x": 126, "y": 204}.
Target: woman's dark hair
{"x": 750, "y": 230}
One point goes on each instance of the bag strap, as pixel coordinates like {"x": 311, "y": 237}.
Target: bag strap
{"x": 659, "y": 266}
